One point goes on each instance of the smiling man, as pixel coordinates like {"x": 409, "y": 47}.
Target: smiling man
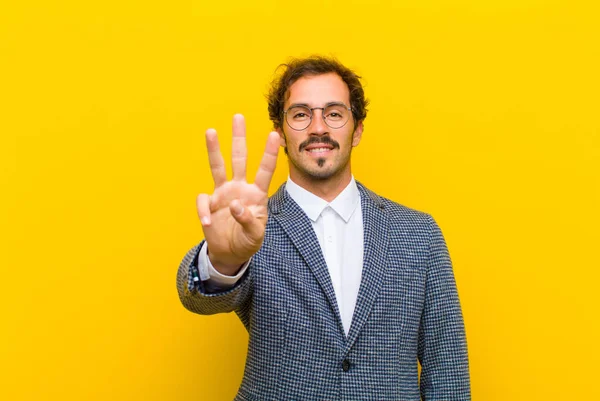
{"x": 343, "y": 292}
{"x": 319, "y": 160}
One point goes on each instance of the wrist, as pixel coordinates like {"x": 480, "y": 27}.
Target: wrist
{"x": 225, "y": 267}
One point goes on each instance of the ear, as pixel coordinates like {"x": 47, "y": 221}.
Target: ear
{"x": 281, "y": 137}
{"x": 357, "y": 133}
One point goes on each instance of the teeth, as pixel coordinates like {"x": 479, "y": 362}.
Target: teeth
{"x": 316, "y": 150}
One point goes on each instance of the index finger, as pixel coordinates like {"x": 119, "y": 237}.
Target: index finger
{"x": 264, "y": 175}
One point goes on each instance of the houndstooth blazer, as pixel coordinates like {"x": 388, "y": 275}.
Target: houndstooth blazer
{"x": 407, "y": 311}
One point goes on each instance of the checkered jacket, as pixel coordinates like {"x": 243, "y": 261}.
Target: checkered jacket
{"x": 407, "y": 311}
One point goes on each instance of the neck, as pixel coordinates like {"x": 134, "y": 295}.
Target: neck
{"x": 327, "y": 189}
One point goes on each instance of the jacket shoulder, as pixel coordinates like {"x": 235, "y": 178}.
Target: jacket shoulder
{"x": 398, "y": 211}
{"x": 395, "y": 211}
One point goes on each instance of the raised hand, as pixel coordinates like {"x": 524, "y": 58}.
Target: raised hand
{"x": 234, "y": 217}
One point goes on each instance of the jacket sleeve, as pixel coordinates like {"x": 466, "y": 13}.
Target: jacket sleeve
{"x": 442, "y": 349}
{"x": 198, "y": 299}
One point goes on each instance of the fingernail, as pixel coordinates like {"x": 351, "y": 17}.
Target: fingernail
{"x": 205, "y": 220}
{"x": 238, "y": 209}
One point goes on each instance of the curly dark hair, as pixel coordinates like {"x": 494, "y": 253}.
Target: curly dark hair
{"x": 311, "y": 66}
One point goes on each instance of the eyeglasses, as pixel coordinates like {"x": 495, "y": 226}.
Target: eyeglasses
{"x": 335, "y": 115}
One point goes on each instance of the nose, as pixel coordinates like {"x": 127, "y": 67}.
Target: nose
{"x": 317, "y": 125}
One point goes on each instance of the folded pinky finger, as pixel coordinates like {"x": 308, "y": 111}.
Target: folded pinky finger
{"x": 203, "y": 208}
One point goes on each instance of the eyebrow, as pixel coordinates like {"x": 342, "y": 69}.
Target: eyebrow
{"x": 307, "y": 105}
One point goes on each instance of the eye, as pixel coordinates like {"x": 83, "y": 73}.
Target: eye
{"x": 298, "y": 113}
{"x": 335, "y": 113}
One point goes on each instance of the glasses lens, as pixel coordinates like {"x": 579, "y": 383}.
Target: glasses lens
{"x": 298, "y": 117}
{"x": 336, "y": 115}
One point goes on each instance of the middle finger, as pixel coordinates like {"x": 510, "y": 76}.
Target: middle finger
{"x": 239, "y": 151}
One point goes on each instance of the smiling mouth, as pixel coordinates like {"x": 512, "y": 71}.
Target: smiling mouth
{"x": 315, "y": 145}
{"x": 319, "y": 150}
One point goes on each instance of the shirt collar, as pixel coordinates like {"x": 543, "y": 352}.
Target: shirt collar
{"x": 344, "y": 204}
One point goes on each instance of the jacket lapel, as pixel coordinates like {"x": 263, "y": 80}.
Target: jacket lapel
{"x": 299, "y": 229}
{"x": 375, "y": 226}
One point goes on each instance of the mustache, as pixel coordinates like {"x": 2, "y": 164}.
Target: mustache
{"x": 325, "y": 140}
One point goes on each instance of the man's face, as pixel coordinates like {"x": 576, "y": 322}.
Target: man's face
{"x": 319, "y": 152}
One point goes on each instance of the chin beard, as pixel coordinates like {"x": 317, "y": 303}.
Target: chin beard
{"x": 321, "y": 173}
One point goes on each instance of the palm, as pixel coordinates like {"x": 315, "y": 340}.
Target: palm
{"x": 228, "y": 234}
{"x": 234, "y": 237}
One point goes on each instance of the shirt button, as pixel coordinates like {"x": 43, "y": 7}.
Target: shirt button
{"x": 329, "y": 239}
{"x": 346, "y": 365}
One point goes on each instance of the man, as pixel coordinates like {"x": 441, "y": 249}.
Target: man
{"x": 342, "y": 291}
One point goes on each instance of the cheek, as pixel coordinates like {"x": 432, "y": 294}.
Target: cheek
{"x": 292, "y": 144}
{"x": 287, "y": 140}
{"x": 351, "y": 140}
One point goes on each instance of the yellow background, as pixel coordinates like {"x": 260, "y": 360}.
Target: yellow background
{"x": 483, "y": 113}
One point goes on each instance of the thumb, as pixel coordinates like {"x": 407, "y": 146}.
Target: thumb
{"x": 244, "y": 216}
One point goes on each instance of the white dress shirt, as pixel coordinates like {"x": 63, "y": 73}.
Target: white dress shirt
{"x": 339, "y": 228}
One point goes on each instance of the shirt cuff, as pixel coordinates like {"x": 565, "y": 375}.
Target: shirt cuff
{"x": 209, "y": 274}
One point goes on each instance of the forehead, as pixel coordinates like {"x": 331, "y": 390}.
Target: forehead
{"x": 318, "y": 90}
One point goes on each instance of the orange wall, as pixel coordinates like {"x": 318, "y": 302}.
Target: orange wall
{"x": 485, "y": 114}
